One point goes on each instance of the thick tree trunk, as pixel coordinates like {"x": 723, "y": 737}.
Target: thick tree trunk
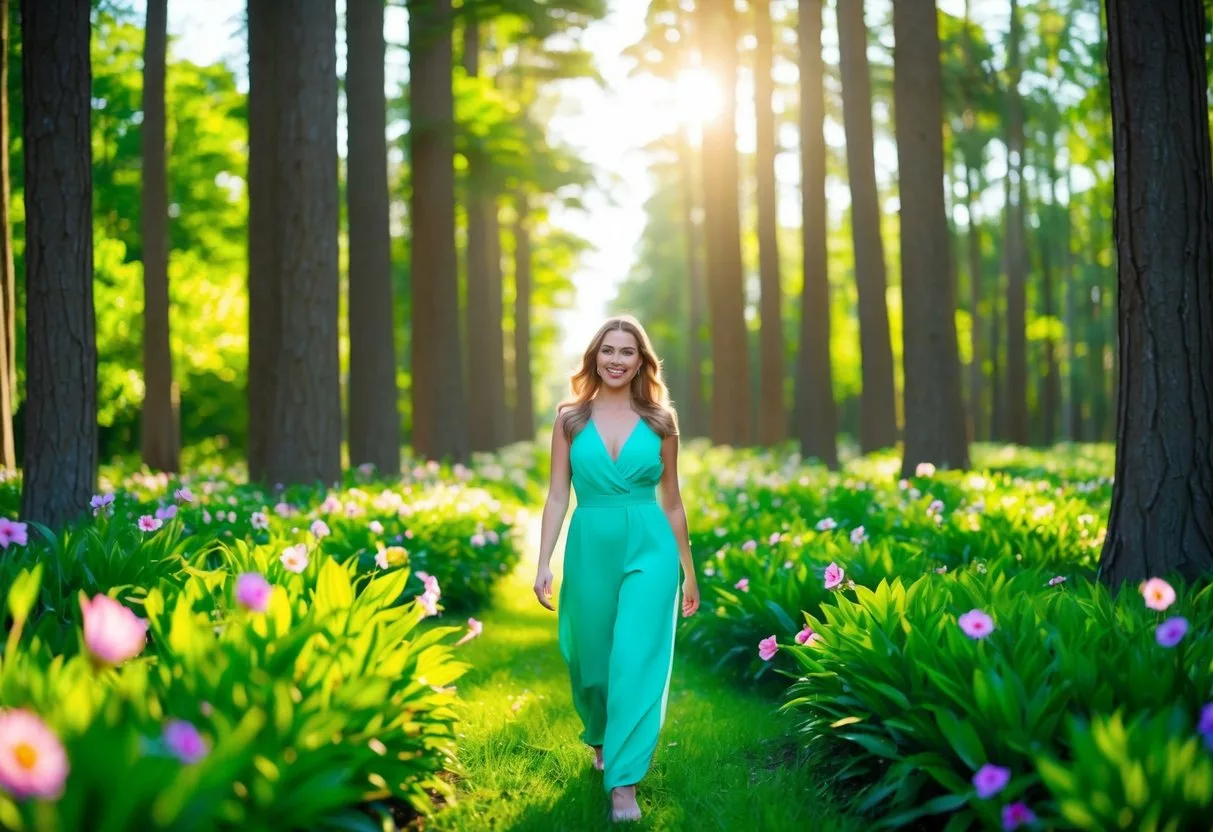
{"x": 160, "y": 436}
{"x": 816, "y": 412}
{"x": 935, "y": 430}
{"x": 60, "y": 459}
{"x": 878, "y": 417}
{"x": 1162, "y": 500}
{"x": 524, "y": 394}
{"x": 772, "y": 418}
{"x": 8, "y": 280}
{"x": 722, "y": 224}
{"x": 303, "y": 405}
{"x": 440, "y": 419}
{"x": 692, "y": 421}
{"x": 374, "y": 416}
{"x": 1017, "y": 362}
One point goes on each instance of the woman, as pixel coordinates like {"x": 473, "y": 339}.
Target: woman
{"x": 616, "y": 440}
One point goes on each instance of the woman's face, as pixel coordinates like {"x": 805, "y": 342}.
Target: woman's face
{"x": 618, "y": 359}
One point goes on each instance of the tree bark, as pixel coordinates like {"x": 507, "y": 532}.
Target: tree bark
{"x": 977, "y": 425}
{"x": 440, "y": 419}
{"x": 816, "y": 412}
{"x": 692, "y": 421}
{"x": 374, "y": 415}
{"x": 1162, "y": 501}
{"x": 772, "y": 420}
{"x": 524, "y": 394}
{"x": 722, "y": 224}
{"x": 8, "y": 280}
{"x": 878, "y": 416}
{"x": 60, "y": 458}
{"x": 304, "y": 398}
{"x": 159, "y": 432}
{"x": 935, "y": 430}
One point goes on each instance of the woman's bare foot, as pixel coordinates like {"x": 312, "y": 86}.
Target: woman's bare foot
{"x": 597, "y": 756}
{"x": 623, "y": 804}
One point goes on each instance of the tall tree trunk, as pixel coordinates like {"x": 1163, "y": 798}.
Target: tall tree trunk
{"x": 440, "y": 420}
{"x": 816, "y": 412}
{"x": 772, "y": 419}
{"x": 60, "y": 455}
{"x": 264, "y": 20}
{"x": 878, "y": 416}
{"x": 160, "y": 435}
{"x": 1097, "y": 376}
{"x": 486, "y": 367}
{"x": 1017, "y": 361}
{"x": 1048, "y": 235}
{"x": 977, "y": 426}
{"x": 722, "y": 224}
{"x": 693, "y": 421}
{"x": 8, "y": 280}
{"x": 935, "y": 430}
{"x": 524, "y": 394}
{"x": 1072, "y": 413}
{"x": 374, "y": 415}
{"x": 1162, "y": 500}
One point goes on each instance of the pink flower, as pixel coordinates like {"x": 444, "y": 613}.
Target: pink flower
{"x": 858, "y": 535}
{"x": 976, "y": 624}
{"x": 431, "y": 583}
{"x": 253, "y": 591}
{"x": 743, "y": 585}
{"x": 147, "y": 523}
{"x": 12, "y": 532}
{"x": 990, "y": 780}
{"x": 112, "y": 633}
{"x": 774, "y": 538}
{"x": 807, "y": 636}
{"x": 826, "y": 524}
{"x": 33, "y": 762}
{"x": 924, "y": 469}
{"x": 184, "y": 742}
{"x": 1171, "y": 631}
{"x": 749, "y": 546}
{"x": 259, "y": 521}
{"x": 477, "y": 540}
{"x": 1158, "y": 594}
{"x": 475, "y": 628}
{"x": 428, "y": 602}
{"x": 184, "y": 495}
{"x": 834, "y": 575}
{"x": 294, "y": 558}
{"x": 767, "y": 648}
{"x": 320, "y": 528}
{"x": 1015, "y": 815}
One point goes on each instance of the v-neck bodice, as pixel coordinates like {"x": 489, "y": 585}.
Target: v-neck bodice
{"x": 598, "y": 479}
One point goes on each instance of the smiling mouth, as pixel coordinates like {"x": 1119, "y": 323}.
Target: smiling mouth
{"x": 614, "y": 373}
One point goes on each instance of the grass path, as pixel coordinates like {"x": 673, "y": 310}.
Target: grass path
{"x": 726, "y": 759}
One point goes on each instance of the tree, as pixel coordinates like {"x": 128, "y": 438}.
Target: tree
{"x": 524, "y": 394}
{"x": 60, "y": 464}
{"x": 1162, "y": 499}
{"x": 303, "y": 400}
{"x": 439, "y": 407}
{"x": 8, "y": 279}
{"x": 878, "y": 419}
{"x": 374, "y": 416}
{"x": 722, "y": 227}
{"x": 159, "y": 434}
{"x": 1016, "y": 254}
{"x": 934, "y": 412}
{"x": 816, "y": 414}
{"x": 772, "y": 421}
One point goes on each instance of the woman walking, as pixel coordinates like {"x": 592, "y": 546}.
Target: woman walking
{"x": 616, "y": 441}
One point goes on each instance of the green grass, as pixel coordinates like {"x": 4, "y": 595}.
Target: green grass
{"x": 726, "y": 759}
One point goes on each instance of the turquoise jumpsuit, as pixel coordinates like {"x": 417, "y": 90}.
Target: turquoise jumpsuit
{"x": 619, "y": 600}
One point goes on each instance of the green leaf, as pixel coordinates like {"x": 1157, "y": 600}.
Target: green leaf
{"x": 23, "y": 593}
{"x": 962, "y": 737}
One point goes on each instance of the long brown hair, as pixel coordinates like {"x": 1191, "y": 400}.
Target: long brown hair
{"x": 650, "y": 398}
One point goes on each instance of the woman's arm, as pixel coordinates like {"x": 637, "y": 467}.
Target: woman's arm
{"x": 554, "y": 510}
{"x": 671, "y": 503}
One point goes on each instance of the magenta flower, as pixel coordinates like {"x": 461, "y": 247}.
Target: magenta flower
{"x": 743, "y": 585}
{"x": 1171, "y": 631}
{"x": 147, "y": 523}
{"x": 1205, "y": 726}
{"x": 184, "y": 742}
{"x": 1015, "y": 815}
{"x": 990, "y": 780}
{"x": 834, "y": 575}
{"x": 1158, "y": 594}
{"x": 32, "y": 760}
{"x": 112, "y": 633}
{"x": 767, "y": 648}
{"x": 807, "y": 636}
{"x": 253, "y": 591}
{"x": 475, "y": 628}
{"x": 12, "y": 532}
{"x": 976, "y": 624}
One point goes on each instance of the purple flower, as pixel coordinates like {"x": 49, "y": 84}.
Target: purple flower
{"x": 253, "y": 591}
{"x": 1171, "y": 631}
{"x": 1205, "y": 726}
{"x": 1015, "y": 815}
{"x": 976, "y": 624}
{"x": 184, "y": 742}
{"x": 1057, "y": 579}
{"x": 990, "y": 780}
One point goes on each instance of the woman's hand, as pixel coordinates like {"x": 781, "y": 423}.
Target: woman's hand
{"x": 543, "y": 587}
{"x": 690, "y": 596}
